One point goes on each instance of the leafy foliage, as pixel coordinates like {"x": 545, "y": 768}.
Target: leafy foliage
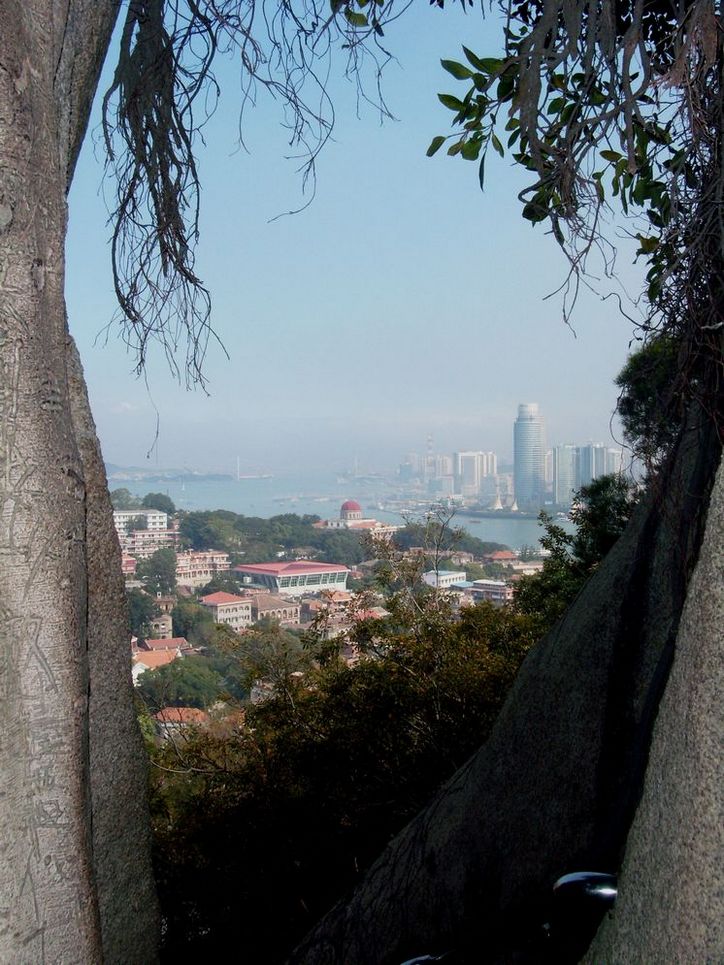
{"x": 600, "y": 512}
{"x": 159, "y": 501}
{"x": 646, "y": 400}
{"x": 258, "y": 540}
{"x": 124, "y": 499}
{"x": 265, "y": 827}
{"x": 142, "y": 609}
{"x": 158, "y": 572}
{"x": 622, "y": 104}
{"x": 187, "y": 682}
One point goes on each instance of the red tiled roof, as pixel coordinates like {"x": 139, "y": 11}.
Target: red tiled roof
{"x": 501, "y": 555}
{"x": 167, "y": 643}
{"x": 155, "y": 660}
{"x": 214, "y": 599}
{"x": 294, "y": 568}
{"x": 181, "y": 715}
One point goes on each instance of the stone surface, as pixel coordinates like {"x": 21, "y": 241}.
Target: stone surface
{"x": 671, "y": 899}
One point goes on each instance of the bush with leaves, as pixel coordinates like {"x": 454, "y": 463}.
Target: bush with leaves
{"x": 260, "y": 828}
{"x": 600, "y": 512}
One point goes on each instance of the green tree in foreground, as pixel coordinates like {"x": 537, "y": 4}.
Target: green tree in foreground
{"x": 159, "y": 501}
{"x": 260, "y": 830}
{"x": 142, "y": 608}
{"x": 187, "y": 682}
{"x": 158, "y": 572}
{"x": 124, "y": 499}
{"x": 600, "y": 512}
{"x": 648, "y": 406}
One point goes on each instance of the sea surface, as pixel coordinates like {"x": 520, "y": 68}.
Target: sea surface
{"x": 320, "y": 495}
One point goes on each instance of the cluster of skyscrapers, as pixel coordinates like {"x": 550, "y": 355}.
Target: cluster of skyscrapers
{"x": 541, "y": 476}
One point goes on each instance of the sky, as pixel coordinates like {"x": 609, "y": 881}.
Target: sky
{"x": 403, "y": 302}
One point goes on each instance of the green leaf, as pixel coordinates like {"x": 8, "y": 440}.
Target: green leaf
{"x": 452, "y": 103}
{"x": 497, "y": 145}
{"x": 473, "y": 59}
{"x": 647, "y": 244}
{"x": 481, "y": 173}
{"x": 556, "y": 105}
{"x": 599, "y": 190}
{"x": 455, "y": 148}
{"x": 457, "y": 70}
{"x": 488, "y": 65}
{"x": 435, "y": 145}
{"x": 356, "y": 19}
{"x": 611, "y": 156}
{"x": 471, "y": 149}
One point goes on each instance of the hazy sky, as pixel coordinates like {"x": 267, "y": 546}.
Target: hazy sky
{"x": 402, "y": 302}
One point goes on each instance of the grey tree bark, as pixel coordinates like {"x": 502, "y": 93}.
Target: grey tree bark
{"x": 557, "y": 784}
{"x": 75, "y": 879}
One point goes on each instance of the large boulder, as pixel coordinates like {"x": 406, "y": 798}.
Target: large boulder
{"x": 671, "y": 892}
{"x": 556, "y": 786}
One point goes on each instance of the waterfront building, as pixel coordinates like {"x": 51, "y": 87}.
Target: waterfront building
{"x": 592, "y": 461}
{"x": 295, "y": 578}
{"x": 234, "y": 611}
{"x": 565, "y": 468}
{"x": 350, "y": 517}
{"x": 614, "y": 462}
{"x": 470, "y": 468}
{"x": 529, "y": 452}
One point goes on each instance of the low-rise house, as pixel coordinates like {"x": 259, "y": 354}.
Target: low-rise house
{"x": 172, "y": 721}
{"x": 165, "y": 644}
{"x": 504, "y": 557}
{"x": 494, "y": 591}
{"x": 234, "y": 611}
{"x": 444, "y": 579}
{"x": 151, "y": 660}
{"x": 266, "y": 606}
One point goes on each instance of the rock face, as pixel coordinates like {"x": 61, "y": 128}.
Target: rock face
{"x": 557, "y": 784}
{"x": 671, "y": 892}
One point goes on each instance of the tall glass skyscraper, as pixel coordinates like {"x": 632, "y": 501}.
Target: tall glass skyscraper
{"x": 529, "y": 455}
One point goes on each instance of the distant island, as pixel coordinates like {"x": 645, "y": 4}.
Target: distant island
{"x": 139, "y": 474}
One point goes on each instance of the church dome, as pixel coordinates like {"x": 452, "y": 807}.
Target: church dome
{"x": 351, "y": 505}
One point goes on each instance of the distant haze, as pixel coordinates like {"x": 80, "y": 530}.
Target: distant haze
{"x": 403, "y": 302}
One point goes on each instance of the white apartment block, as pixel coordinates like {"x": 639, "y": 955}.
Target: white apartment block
{"x": 443, "y": 579}
{"x": 155, "y": 519}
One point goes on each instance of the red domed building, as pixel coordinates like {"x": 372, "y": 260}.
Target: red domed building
{"x": 350, "y": 510}
{"x": 350, "y": 517}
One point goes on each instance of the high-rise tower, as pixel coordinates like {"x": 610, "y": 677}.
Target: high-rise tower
{"x": 529, "y": 453}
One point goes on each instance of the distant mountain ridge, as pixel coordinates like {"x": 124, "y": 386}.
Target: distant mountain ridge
{"x": 137, "y": 473}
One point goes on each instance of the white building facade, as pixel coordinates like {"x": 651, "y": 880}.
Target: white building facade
{"x": 529, "y": 453}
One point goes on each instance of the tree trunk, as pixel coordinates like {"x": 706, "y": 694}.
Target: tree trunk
{"x": 556, "y": 786}
{"x": 75, "y": 874}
